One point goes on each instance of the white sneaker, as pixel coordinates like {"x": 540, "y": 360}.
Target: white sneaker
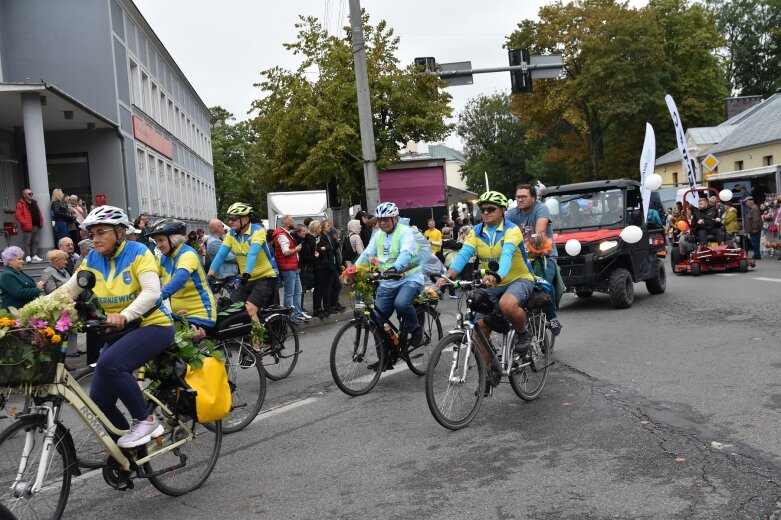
{"x": 27, "y": 259}
{"x": 37, "y": 259}
{"x": 306, "y": 316}
{"x": 140, "y": 433}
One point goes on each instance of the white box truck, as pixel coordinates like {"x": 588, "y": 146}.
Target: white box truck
{"x": 298, "y": 204}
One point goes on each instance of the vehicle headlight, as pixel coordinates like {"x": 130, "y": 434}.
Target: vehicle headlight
{"x": 607, "y": 245}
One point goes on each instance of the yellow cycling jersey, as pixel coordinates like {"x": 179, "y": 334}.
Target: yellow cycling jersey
{"x": 116, "y": 280}
{"x": 488, "y": 246}
{"x": 195, "y": 297}
{"x": 240, "y": 246}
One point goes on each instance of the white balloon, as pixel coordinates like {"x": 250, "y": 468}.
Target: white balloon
{"x": 653, "y": 182}
{"x": 631, "y": 234}
{"x": 725, "y": 195}
{"x": 572, "y": 247}
{"x": 553, "y": 206}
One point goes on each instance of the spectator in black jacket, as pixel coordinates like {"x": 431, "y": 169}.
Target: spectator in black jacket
{"x": 366, "y": 229}
{"x": 306, "y": 260}
{"x": 706, "y": 221}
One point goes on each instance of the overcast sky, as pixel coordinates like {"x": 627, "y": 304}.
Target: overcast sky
{"x": 222, "y": 46}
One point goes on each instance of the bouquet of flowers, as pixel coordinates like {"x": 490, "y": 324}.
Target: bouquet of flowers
{"x": 539, "y": 246}
{"x": 31, "y": 337}
{"x": 359, "y": 277}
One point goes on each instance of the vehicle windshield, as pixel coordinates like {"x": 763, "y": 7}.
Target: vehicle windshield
{"x": 584, "y": 210}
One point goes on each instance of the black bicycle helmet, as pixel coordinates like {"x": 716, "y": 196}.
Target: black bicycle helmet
{"x": 479, "y": 301}
{"x": 167, "y": 226}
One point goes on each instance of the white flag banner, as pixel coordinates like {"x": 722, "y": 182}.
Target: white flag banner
{"x": 647, "y": 161}
{"x": 681, "y": 139}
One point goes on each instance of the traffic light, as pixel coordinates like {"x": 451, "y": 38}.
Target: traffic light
{"x": 427, "y": 64}
{"x": 521, "y": 80}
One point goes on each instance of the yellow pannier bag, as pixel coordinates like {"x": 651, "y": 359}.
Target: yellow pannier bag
{"x": 212, "y": 392}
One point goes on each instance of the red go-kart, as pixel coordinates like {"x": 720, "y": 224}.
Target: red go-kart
{"x": 687, "y": 256}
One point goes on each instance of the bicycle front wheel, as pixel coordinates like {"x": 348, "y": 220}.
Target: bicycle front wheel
{"x": 280, "y": 351}
{"x": 90, "y": 453}
{"x": 186, "y": 467}
{"x": 247, "y": 380}
{"x": 455, "y": 382}
{"x": 530, "y": 371}
{"x": 357, "y": 357}
{"x": 417, "y": 357}
{"x": 50, "y": 501}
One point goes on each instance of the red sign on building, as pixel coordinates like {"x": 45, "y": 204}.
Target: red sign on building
{"x": 147, "y": 135}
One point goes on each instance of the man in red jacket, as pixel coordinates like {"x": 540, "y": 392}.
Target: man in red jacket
{"x": 286, "y": 253}
{"x": 31, "y": 220}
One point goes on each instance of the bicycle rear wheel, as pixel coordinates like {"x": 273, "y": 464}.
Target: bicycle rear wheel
{"x": 357, "y": 355}
{"x": 455, "y": 382}
{"x": 247, "y": 380}
{"x": 530, "y": 371}
{"x": 50, "y": 501}
{"x": 280, "y": 351}
{"x": 417, "y": 357}
{"x": 193, "y": 461}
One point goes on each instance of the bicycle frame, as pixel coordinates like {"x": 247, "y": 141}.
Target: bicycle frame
{"x": 66, "y": 389}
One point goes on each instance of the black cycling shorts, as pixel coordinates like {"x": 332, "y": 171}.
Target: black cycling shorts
{"x": 259, "y": 293}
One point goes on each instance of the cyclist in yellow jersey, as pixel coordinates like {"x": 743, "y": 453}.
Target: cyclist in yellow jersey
{"x": 499, "y": 240}
{"x": 127, "y": 286}
{"x": 248, "y": 242}
{"x": 183, "y": 278}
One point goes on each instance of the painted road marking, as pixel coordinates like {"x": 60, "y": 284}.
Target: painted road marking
{"x": 765, "y": 279}
{"x": 727, "y": 274}
{"x": 284, "y": 408}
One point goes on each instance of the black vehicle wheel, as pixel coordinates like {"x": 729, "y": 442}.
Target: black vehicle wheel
{"x": 743, "y": 265}
{"x": 695, "y": 267}
{"x": 28, "y": 432}
{"x": 417, "y": 359}
{"x": 357, "y": 354}
{"x": 584, "y": 294}
{"x": 455, "y": 382}
{"x": 658, "y": 284}
{"x": 621, "y": 288}
{"x": 281, "y": 348}
{"x": 675, "y": 257}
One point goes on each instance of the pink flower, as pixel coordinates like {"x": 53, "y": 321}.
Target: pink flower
{"x": 375, "y": 260}
{"x": 64, "y": 323}
{"x": 38, "y": 323}
{"x": 350, "y": 271}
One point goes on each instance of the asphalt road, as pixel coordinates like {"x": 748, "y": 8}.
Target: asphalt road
{"x": 665, "y": 410}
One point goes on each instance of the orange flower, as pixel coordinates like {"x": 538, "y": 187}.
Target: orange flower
{"x": 49, "y": 332}
{"x": 56, "y": 338}
{"x": 542, "y": 250}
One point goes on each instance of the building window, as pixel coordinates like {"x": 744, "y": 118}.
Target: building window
{"x": 135, "y": 85}
{"x": 146, "y": 105}
{"x": 767, "y": 160}
{"x": 675, "y": 178}
{"x": 738, "y": 165}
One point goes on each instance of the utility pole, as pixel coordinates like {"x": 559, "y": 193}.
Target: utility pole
{"x": 364, "y": 108}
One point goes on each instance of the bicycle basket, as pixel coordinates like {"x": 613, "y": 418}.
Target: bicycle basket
{"x": 23, "y": 362}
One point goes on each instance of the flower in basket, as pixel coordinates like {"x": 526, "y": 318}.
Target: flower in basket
{"x": 31, "y": 337}
{"x": 358, "y": 276}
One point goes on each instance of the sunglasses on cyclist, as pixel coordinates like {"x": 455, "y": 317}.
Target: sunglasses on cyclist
{"x": 233, "y": 219}
{"x": 488, "y": 209}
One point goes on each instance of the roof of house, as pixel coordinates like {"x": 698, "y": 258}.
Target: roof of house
{"x": 759, "y": 127}
{"x": 754, "y": 126}
{"x": 435, "y": 151}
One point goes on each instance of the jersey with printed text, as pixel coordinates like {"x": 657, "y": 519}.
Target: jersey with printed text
{"x": 488, "y": 246}
{"x": 116, "y": 280}
{"x": 195, "y": 298}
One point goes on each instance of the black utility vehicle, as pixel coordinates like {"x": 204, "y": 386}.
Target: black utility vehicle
{"x": 594, "y": 214}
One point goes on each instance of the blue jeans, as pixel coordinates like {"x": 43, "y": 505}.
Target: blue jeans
{"x": 113, "y": 378}
{"x": 755, "y": 238}
{"x": 61, "y": 230}
{"x": 550, "y": 274}
{"x": 292, "y": 284}
{"x": 399, "y": 297}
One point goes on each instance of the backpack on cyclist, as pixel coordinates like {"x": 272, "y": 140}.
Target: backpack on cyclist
{"x": 204, "y": 393}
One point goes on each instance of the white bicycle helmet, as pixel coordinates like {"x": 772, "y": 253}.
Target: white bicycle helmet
{"x": 386, "y": 209}
{"x": 108, "y": 215}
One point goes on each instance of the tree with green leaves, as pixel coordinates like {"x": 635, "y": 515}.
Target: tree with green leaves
{"x": 231, "y": 150}
{"x": 619, "y": 62}
{"x": 752, "y": 49}
{"x": 307, "y": 122}
{"x": 494, "y": 143}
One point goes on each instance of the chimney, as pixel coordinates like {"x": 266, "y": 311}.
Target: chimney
{"x": 735, "y": 105}
{"x": 412, "y": 147}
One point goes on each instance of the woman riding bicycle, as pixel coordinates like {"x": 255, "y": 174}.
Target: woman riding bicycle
{"x": 183, "y": 278}
{"x": 127, "y": 286}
